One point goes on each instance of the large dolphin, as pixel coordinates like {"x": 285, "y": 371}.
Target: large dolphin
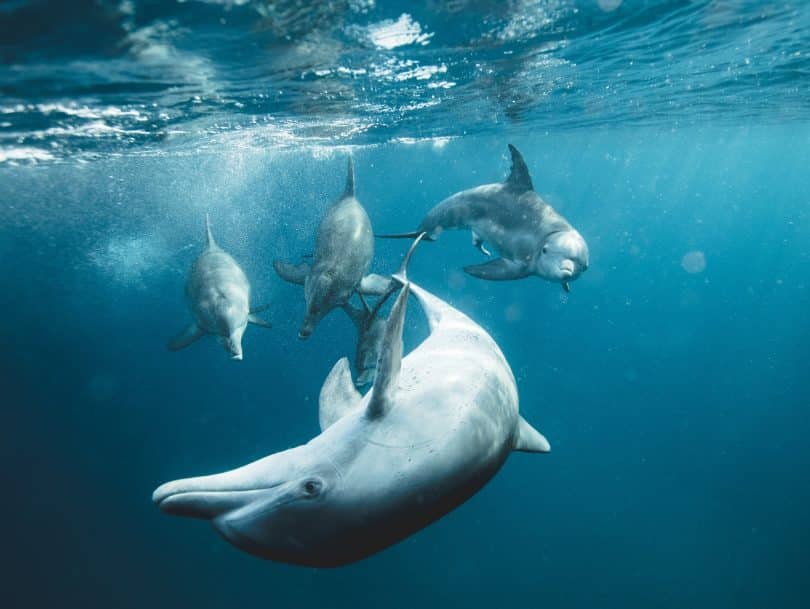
{"x": 218, "y": 294}
{"x": 531, "y": 237}
{"x": 435, "y": 427}
{"x": 344, "y": 248}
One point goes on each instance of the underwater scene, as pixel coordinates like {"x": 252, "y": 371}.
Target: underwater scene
{"x": 451, "y": 303}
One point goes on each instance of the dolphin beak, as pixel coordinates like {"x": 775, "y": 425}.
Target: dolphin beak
{"x": 237, "y": 356}
{"x": 212, "y": 496}
{"x": 305, "y": 331}
{"x": 202, "y": 504}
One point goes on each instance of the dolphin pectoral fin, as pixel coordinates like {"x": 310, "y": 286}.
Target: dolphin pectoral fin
{"x": 293, "y": 273}
{"x": 258, "y": 321}
{"x": 185, "y": 338}
{"x": 566, "y": 286}
{"x": 374, "y": 285}
{"x": 519, "y": 178}
{"x": 389, "y": 363}
{"x": 338, "y": 395}
{"x": 529, "y": 440}
{"x": 478, "y": 243}
{"x": 499, "y": 269}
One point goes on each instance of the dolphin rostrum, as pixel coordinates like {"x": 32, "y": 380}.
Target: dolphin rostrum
{"x": 218, "y": 295}
{"x": 344, "y": 248}
{"x": 432, "y": 431}
{"x": 531, "y": 237}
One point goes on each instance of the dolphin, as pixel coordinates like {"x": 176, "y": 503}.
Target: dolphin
{"x": 370, "y": 331}
{"x": 531, "y": 237}
{"x": 218, "y": 294}
{"x": 344, "y": 248}
{"x": 433, "y": 430}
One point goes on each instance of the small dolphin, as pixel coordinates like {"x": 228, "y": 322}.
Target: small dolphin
{"x": 531, "y": 237}
{"x": 433, "y": 430}
{"x": 218, "y": 295}
{"x": 343, "y": 251}
{"x": 370, "y": 331}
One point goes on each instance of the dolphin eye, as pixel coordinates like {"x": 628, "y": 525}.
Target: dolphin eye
{"x": 312, "y": 488}
{"x": 545, "y": 249}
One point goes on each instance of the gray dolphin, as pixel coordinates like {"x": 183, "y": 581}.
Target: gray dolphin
{"x": 531, "y": 237}
{"x": 370, "y": 331}
{"x": 344, "y": 248}
{"x": 218, "y": 294}
{"x": 433, "y": 430}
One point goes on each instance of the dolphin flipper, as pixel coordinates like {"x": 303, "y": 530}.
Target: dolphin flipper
{"x": 389, "y": 363}
{"x": 374, "y": 285}
{"x": 529, "y": 440}
{"x": 293, "y": 273}
{"x": 499, "y": 269}
{"x": 258, "y": 321}
{"x": 338, "y": 395}
{"x": 185, "y": 338}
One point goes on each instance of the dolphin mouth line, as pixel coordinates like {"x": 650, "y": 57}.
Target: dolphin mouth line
{"x": 163, "y": 501}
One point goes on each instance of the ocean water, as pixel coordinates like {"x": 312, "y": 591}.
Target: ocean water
{"x": 672, "y": 381}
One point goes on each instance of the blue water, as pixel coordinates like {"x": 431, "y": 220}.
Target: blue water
{"x": 672, "y": 382}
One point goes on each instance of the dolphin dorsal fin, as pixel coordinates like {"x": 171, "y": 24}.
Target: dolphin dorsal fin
{"x": 338, "y": 395}
{"x": 390, "y": 360}
{"x": 349, "y": 191}
{"x": 209, "y": 236}
{"x": 519, "y": 177}
{"x": 529, "y": 440}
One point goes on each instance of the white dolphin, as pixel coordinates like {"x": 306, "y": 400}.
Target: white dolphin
{"x": 531, "y": 237}
{"x": 435, "y": 427}
{"x": 218, "y": 294}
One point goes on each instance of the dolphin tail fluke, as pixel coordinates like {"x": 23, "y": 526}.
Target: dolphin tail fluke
{"x": 529, "y": 440}
{"x": 338, "y": 395}
{"x": 411, "y": 235}
{"x": 349, "y": 190}
{"x": 402, "y": 274}
{"x": 209, "y": 236}
{"x": 185, "y": 338}
{"x": 519, "y": 177}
